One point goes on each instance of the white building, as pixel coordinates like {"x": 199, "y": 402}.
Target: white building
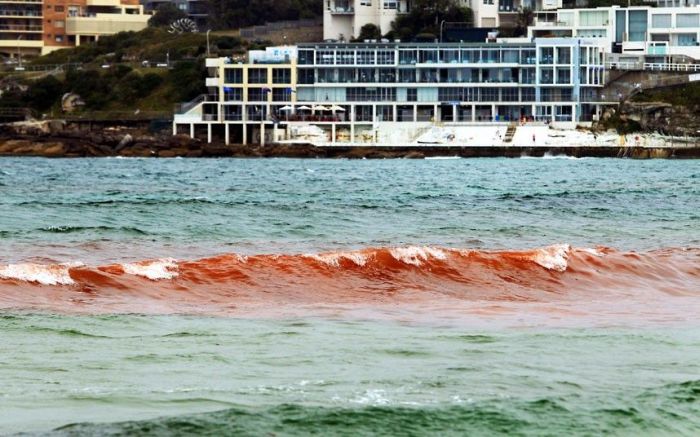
{"x": 653, "y": 33}
{"x": 395, "y": 93}
{"x": 343, "y": 19}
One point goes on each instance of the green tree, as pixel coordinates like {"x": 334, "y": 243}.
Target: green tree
{"x": 165, "y": 15}
{"x": 426, "y": 17}
{"x": 44, "y": 93}
{"x": 369, "y": 31}
{"x": 233, "y": 14}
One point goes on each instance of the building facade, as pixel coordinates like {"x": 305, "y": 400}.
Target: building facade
{"x": 653, "y": 33}
{"x": 343, "y": 19}
{"x": 358, "y": 92}
{"x": 35, "y": 27}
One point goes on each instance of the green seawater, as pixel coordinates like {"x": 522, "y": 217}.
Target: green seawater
{"x": 182, "y": 375}
{"x": 178, "y": 375}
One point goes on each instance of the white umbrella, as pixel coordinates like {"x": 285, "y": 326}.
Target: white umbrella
{"x": 286, "y": 108}
{"x": 304, "y": 108}
{"x": 320, "y": 108}
{"x": 337, "y": 108}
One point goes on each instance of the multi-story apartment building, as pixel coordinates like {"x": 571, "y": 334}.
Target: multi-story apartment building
{"x": 360, "y": 92}
{"x": 343, "y": 19}
{"x": 638, "y": 31}
{"x": 34, "y": 27}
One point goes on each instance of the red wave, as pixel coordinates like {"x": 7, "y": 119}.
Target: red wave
{"x": 427, "y": 279}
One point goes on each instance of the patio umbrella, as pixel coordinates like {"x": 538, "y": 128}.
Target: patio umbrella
{"x": 304, "y": 108}
{"x": 337, "y": 108}
{"x": 320, "y": 108}
{"x": 286, "y": 108}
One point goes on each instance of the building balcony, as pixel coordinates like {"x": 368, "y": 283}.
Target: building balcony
{"x": 22, "y": 27}
{"x": 342, "y": 11}
{"x": 114, "y": 3}
{"x": 212, "y": 81}
{"x": 18, "y": 13}
{"x": 106, "y": 24}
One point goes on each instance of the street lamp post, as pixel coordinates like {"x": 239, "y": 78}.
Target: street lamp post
{"x": 208, "y": 30}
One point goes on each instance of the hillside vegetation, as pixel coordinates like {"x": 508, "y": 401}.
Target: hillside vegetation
{"x": 120, "y": 72}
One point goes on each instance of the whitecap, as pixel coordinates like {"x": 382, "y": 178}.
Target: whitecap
{"x": 153, "y": 270}
{"x": 53, "y": 274}
{"x": 415, "y": 255}
{"x": 554, "y": 257}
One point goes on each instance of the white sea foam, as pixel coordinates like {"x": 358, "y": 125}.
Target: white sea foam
{"x": 591, "y": 251}
{"x": 441, "y": 158}
{"x": 153, "y": 270}
{"x": 554, "y": 257}
{"x": 333, "y": 259}
{"x": 416, "y": 255}
{"x": 53, "y": 274}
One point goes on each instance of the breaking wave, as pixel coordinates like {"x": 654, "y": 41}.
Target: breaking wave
{"x": 422, "y": 276}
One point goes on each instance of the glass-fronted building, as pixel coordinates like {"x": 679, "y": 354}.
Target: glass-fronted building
{"x": 358, "y": 87}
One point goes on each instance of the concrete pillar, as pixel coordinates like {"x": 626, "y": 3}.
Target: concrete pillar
{"x": 436, "y": 117}
{"x": 352, "y": 132}
{"x": 174, "y": 128}
{"x": 192, "y": 130}
{"x": 454, "y": 113}
{"x": 245, "y": 134}
{"x": 394, "y": 113}
{"x": 333, "y": 133}
{"x": 77, "y": 40}
{"x": 209, "y": 133}
{"x": 274, "y": 132}
{"x": 262, "y": 134}
{"x": 227, "y": 134}
{"x": 473, "y": 113}
{"x": 493, "y": 112}
{"x": 415, "y": 113}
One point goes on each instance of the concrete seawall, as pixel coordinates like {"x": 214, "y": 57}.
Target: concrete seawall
{"x": 168, "y": 147}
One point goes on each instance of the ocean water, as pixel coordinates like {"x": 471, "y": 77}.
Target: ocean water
{"x": 334, "y": 297}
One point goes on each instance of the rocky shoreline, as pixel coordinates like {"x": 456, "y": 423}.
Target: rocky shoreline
{"x": 43, "y": 141}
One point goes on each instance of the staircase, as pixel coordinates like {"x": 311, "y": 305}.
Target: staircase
{"x": 510, "y": 133}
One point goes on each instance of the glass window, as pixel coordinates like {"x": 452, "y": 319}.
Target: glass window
{"x": 661, "y": 21}
{"x": 257, "y": 94}
{"x": 233, "y": 75}
{"x": 325, "y": 57}
{"x": 449, "y": 56}
{"x": 306, "y": 57}
{"x": 565, "y": 18}
{"x": 407, "y": 75}
{"x": 281, "y": 94}
{"x": 408, "y": 57}
{"x": 412, "y": 95}
{"x": 257, "y": 75}
{"x": 470, "y": 56}
{"x": 385, "y": 113}
{"x": 281, "y": 75}
{"x": 686, "y": 20}
{"x": 638, "y": 25}
{"x": 687, "y": 39}
{"x": 371, "y": 94}
{"x": 563, "y": 75}
{"x": 527, "y": 94}
{"x": 345, "y": 57}
{"x": 346, "y": 75}
{"x": 511, "y": 56}
{"x": 233, "y": 94}
{"x": 365, "y": 57}
{"x": 490, "y": 56}
{"x": 366, "y": 75}
{"x": 306, "y": 76}
{"x": 529, "y": 57}
{"x": 547, "y": 75}
{"x": 429, "y": 56}
{"x": 593, "y": 18}
{"x": 509, "y": 94}
{"x": 385, "y": 57}
{"x": 387, "y": 75}
{"x": 546, "y": 55}
{"x": 563, "y": 55}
